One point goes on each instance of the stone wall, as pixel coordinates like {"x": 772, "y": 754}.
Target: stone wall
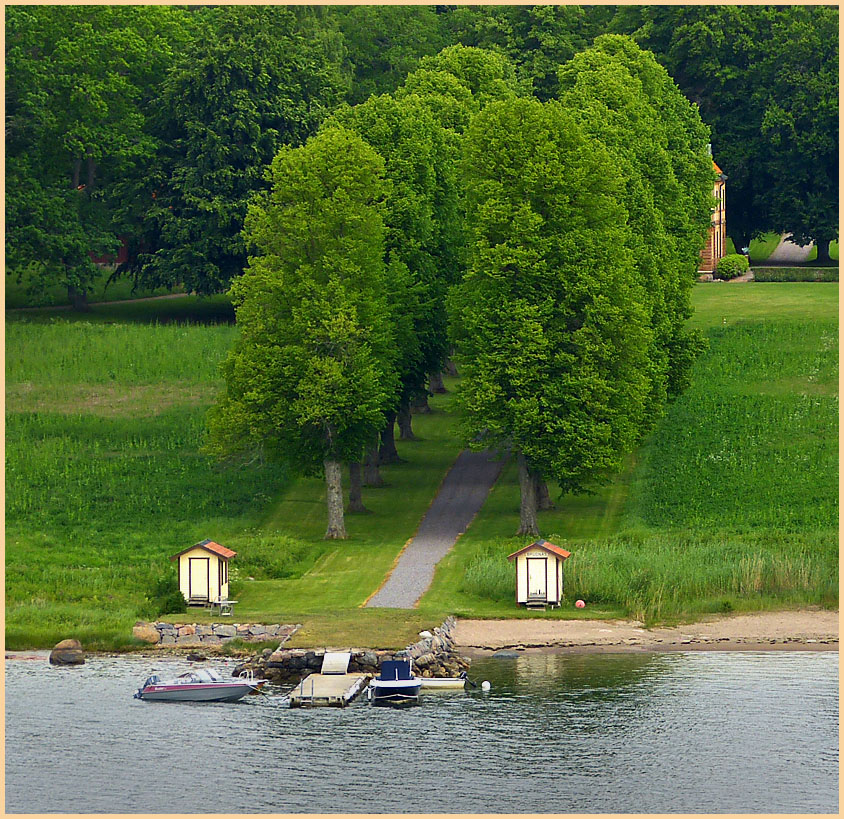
{"x": 433, "y": 656}
{"x": 205, "y": 634}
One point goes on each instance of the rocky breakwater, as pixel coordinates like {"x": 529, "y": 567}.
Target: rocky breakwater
{"x": 207, "y": 634}
{"x": 433, "y": 655}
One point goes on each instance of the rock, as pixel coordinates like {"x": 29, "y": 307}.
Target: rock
{"x": 425, "y": 634}
{"x": 369, "y": 659}
{"x": 204, "y": 631}
{"x": 225, "y": 631}
{"x": 505, "y": 654}
{"x": 146, "y": 632}
{"x": 168, "y": 639}
{"x": 184, "y": 631}
{"x": 196, "y": 657}
{"x": 242, "y": 628}
{"x": 165, "y": 627}
{"x": 67, "y": 652}
{"x": 257, "y": 629}
{"x": 210, "y": 639}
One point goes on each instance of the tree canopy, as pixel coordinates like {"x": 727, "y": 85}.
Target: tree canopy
{"x": 311, "y": 374}
{"x": 251, "y": 83}
{"x": 552, "y": 328}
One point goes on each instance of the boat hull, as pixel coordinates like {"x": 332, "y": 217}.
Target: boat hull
{"x": 226, "y": 692}
{"x": 395, "y": 691}
{"x": 444, "y": 683}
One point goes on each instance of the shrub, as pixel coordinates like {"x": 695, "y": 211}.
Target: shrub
{"x": 732, "y": 266}
{"x": 166, "y": 598}
{"x": 795, "y": 274}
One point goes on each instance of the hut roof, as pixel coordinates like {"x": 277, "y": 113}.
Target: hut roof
{"x": 542, "y": 544}
{"x": 209, "y": 546}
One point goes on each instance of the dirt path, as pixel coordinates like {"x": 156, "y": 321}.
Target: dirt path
{"x": 812, "y": 628}
{"x": 786, "y": 252}
{"x": 461, "y": 496}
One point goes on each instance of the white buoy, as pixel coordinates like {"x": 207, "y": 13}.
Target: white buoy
{"x": 485, "y": 686}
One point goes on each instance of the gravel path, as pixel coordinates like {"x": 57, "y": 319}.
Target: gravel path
{"x": 461, "y": 496}
{"x": 786, "y": 252}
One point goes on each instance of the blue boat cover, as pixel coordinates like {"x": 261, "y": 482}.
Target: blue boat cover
{"x": 395, "y": 670}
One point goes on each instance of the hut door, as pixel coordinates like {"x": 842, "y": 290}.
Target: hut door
{"x": 199, "y": 569}
{"x": 537, "y": 578}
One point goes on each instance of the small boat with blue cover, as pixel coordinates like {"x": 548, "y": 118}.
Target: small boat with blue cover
{"x": 395, "y": 684}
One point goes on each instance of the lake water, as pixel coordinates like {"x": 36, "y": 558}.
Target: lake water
{"x": 646, "y": 733}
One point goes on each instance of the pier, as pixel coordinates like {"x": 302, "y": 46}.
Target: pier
{"x": 336, "y": 690}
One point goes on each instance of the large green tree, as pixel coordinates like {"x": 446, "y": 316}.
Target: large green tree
{"x": 551, "y": 317}
{"x": 79, "y": 84}
{"x": 766, "y": 80}
{"x": 311, "y": 374}
{"x": 256, "y": 79}
{"x": 623, "y": 98}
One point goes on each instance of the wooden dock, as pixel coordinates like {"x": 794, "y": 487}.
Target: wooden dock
{"x": 336, "y": 690}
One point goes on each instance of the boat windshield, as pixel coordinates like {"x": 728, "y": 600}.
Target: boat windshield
{"x": 208, "y": 675}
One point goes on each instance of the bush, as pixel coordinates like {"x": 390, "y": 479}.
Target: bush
{"x": 795, "y": 274}
{"x": 732, "y": 266}
{"x": 166, "y": 598}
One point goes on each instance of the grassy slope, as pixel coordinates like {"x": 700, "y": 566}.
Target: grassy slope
{"x": 105, "y": 481}
{"x": 731, "y": 503}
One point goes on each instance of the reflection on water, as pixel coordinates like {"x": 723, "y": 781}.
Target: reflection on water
{"x": 696, "y": 732}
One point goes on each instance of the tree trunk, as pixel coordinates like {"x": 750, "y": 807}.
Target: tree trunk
{"x": 528, "y": 524}
{"x": 334, "y": 496}
{"x": 77, "y": 170}
{"x": 449, "y": 368}
{"x": 388, "y": 454}
{"x": 92, "y": 170}
{"x": 355, "y": 496}
{"x": 543, "y": 496}
{"x": 435, "y": 382}
{"x": 823, "y": 251}
{"x": 78, "y": 299}
{"x": 420, "y": 405}
{"x": 405, "y": 420}
{"x": 371, "y": 472}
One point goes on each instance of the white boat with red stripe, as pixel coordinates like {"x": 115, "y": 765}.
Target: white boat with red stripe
{"x": 202, "y": 685}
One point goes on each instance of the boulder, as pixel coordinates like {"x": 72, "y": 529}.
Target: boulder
{"x": 168, "y": 639}
{"x": 184, "y": 631}
{"x": 146, "y": 632}
{"x": 225, "y": 631}
{"x": 196, "y": 657}
{"x": 67, "y": 652}
{"x": 257, "y": 628}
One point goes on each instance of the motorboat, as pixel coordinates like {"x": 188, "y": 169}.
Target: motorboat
{"x": 395, "y": 684}
{"x": 201, "y": 685}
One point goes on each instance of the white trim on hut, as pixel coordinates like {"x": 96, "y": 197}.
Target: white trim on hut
{"x": 204, "y": 572}
{"x": 539, "y": 573}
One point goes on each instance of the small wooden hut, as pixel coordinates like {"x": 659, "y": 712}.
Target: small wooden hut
{"x": 204, "y": 572}
{"x": 539, "y": 574}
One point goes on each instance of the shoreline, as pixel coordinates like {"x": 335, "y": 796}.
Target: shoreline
{"x": 802, "y": 630}
{"x": 799, "y": 630}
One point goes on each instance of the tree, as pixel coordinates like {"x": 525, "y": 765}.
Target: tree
{"x": 664, "y": 211}
{"x": 536, "y": 39}
{"x": 311, "y": 373}
{"x": 765, "y": 79}
{"x": 78, "y": 83}
{"x": 385, "y": 43}
{"x": 552, "y": 329}
{"x": 798, "y": 96}
{"x": 411, "y": 143}
{"x": 258, "y": 78}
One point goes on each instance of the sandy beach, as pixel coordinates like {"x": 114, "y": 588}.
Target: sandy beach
{"x": 812, "y": 630}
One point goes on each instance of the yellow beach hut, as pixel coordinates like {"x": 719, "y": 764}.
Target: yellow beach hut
{"x": 204, "y": 572}
{"x": 539, "y": 574}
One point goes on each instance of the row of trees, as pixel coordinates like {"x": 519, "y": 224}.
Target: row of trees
{"x": 157, "y": 123}
{"x": 563, "y": 259}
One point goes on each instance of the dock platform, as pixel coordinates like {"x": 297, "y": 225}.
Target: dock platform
{"x": 336, "y": 690}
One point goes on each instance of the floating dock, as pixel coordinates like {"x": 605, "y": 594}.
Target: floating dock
{"x": 336, "y": 690}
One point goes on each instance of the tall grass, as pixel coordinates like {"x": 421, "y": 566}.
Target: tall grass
{"x": 732, "y": 504}
{"x": 96, "y": 503}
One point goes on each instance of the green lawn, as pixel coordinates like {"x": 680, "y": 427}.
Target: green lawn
{"x": 731, "y": 503}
